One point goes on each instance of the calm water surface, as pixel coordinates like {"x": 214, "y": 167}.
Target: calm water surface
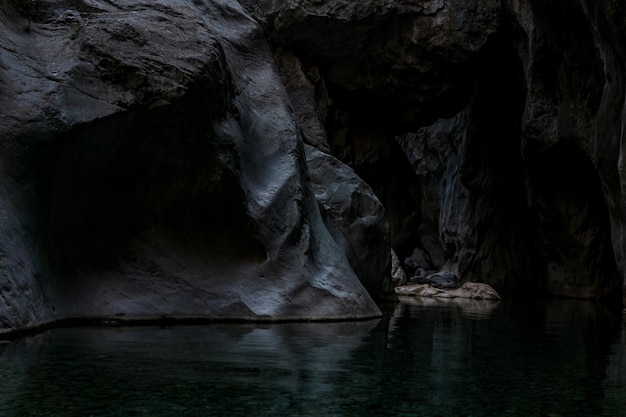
{"x": 445, "y": 358}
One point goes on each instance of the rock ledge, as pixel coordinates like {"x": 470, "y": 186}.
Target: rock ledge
{"x": 473, "y": 290}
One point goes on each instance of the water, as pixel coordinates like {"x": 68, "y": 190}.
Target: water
{"x": 436, "y": 358}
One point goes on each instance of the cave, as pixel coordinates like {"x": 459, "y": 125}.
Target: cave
{"x": 255, "y": 207}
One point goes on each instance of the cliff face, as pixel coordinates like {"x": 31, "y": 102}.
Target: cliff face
{"x": 258, "y": 160}
{"x": 533, "y": 183}
{"x": 491, "y": 131}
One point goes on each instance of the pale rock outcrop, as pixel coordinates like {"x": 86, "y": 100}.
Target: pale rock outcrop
{"x": 471, "y": 290}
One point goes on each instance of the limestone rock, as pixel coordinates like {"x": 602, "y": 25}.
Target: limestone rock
{"x": 354, "y": 216}
{"x": 505, "y": 210}
{"x": 151, "y": 167}
{"x": 475, "y": 290}
{"x": 421, "y": 290}
{"x": 308, "y": 96}
{"x": 398, "y": 276}
{"x": 152, "y": 158}
{"x": 401, "y": 53}
{"x": 471, "y": 290}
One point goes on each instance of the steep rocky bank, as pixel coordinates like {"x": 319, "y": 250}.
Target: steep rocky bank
{"x": 258, "y": 160}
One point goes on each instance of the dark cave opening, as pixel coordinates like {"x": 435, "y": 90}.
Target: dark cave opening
{"x": 143, "y": 175}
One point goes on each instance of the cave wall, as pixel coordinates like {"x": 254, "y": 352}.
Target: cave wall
{"x": 258, "y": 159}
{"x": 511, "y": 127}
{"x": 152, "y": 169}
{"x": 539, "y": 166}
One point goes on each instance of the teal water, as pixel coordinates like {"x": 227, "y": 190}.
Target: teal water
{"x": 563, "y": 358}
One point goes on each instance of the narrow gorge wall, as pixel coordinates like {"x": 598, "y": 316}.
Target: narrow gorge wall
{"x": 258, "y": 160}
{"x": 490, "y": 131}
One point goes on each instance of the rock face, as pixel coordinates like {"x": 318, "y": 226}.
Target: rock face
{"x": 491, "y": 131}
{"x": 152, "y": 168}
{"x": 529, "y": 174}
{"x": 257, "y": 160}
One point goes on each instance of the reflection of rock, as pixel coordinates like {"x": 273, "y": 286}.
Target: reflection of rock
{"x": 472, "y": 290}
{"x": 472, "y": 307}
{"x": 304, "y": 356}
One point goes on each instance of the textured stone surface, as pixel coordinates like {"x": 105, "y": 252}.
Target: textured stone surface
{"x": 353, "y": 215}
{"x": 406, "y": 55}
{"x": 153, "y": 169}
{"x": 471, "y": 290}
{"x": 526, "y": 181}
{"x": 152, "y": 157}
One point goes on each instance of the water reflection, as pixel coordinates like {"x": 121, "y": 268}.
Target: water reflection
{"x": 472, "y": 309}
{"x": 242, "y": 369}
{"x": 422, "y": 358}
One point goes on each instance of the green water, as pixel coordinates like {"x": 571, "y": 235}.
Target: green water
{"x": 563, "y": 358}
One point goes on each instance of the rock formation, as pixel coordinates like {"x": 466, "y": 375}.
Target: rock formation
{"x": 530, "y": 170}
{"x": 258, "y": 159}
{"x": 470, "y": 290}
